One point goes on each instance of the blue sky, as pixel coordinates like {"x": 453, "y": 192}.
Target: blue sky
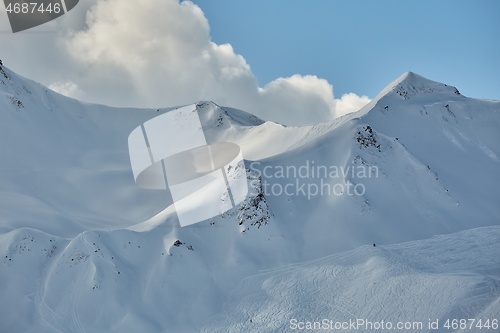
{"x": 361, "y": 46}
{"x": 292, "y": 61}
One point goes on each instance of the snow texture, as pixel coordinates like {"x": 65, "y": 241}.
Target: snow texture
{"x": 83, "y": 249}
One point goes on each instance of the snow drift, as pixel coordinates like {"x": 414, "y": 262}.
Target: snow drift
{"x": 83, "y": 249}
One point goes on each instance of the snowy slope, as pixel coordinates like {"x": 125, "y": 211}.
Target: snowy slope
{"x": 455, "y": 276}
{"x": 83, "y": 249}
{"x": 69, "y": 161}
{"x": 426, "y": 183}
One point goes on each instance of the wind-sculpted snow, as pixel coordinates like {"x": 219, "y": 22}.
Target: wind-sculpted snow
{"x": 83, "y": 249}
{"x": 449, "y": 276}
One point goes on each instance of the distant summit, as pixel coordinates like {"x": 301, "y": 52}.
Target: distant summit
{"x": 409, "y": 85}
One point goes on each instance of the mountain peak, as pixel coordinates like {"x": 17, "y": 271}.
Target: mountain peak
{"x": 212, "y": 115}
{"x": 410, "y": 85}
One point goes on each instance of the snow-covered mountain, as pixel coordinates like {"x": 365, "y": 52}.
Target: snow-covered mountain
{"x": 83, "y": 249}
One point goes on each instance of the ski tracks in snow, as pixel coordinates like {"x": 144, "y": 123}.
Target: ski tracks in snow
{"x": 416, "y": 281}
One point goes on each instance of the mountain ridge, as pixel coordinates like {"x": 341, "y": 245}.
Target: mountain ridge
{"x": 83, "y": 248}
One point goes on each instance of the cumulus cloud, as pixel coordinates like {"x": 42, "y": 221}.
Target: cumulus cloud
{"x": 349, "y": 103}
{"x": 67, "y": 88}
{"x": 307, "y": 98}
{"x": 159, "y": 53}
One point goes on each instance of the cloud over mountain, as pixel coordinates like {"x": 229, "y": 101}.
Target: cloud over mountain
{"x": 160, "y": 53}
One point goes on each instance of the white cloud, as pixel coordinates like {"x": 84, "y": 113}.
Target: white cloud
{"x": 308, "y": 98}
{"x": 349, "y": 103}
{"x": 159, "y": 53}
{"x": 67, "y": 88}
